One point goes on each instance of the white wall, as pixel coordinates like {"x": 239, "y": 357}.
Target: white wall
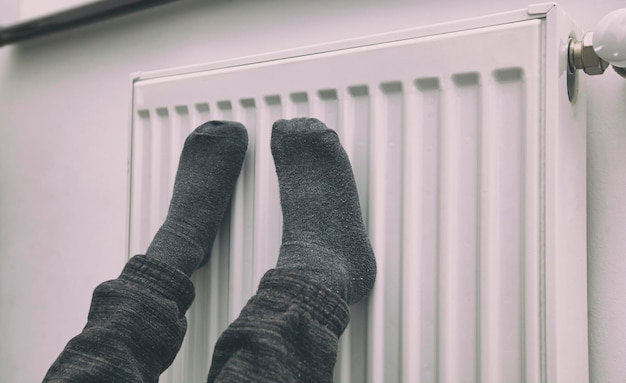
{"x": 64, "y": 139}
{"x": 37, "y": 8}
{"x": 9, "y": 12}
{"x": 14, "y": 11}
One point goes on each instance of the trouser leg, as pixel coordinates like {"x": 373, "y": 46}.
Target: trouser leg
{"x": 135, "y": 327}
{"x": 287, "y": 332}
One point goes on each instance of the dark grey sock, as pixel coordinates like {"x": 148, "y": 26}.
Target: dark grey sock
{"x": 209, "y": 166}
{"x": 323, "y": 232}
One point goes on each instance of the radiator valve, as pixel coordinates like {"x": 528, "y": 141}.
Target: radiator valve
{"x": 583, "y": 56}
{"x": 601, "y": 48}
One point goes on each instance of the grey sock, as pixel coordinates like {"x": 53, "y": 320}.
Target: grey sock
{"x": 323, "y": 232}
{"x": 209, "y": 166}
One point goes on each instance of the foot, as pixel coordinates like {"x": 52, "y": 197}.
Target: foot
{"x": 207, "y": 173}
{"x": 323, "y": 232}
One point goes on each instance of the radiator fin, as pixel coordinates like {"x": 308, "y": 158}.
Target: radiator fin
{"x": 421, "y": 223}
{"x": 503, "y": 255}
{"x": 243, "y": 217}
{"x": 387, "y": 146}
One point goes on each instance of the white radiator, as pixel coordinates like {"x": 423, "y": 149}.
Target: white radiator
{"x": 470, "y": 164}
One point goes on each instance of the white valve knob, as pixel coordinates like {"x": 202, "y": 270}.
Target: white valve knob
{"x": 609, "y": 38}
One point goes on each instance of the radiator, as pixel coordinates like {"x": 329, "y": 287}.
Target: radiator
{"x": 470, "y": 164}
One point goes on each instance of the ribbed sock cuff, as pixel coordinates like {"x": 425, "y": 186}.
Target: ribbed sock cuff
{"x": 314, "y": 299}
{"x": 161, "y": 278}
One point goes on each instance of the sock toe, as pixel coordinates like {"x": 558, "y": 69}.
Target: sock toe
{"x": 299, "y": 125}
{"x": 222, "y": 129}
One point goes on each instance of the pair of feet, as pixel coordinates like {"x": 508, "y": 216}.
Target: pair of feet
{"x": 324, "y": 236}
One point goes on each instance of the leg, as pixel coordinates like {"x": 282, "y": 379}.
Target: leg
{"x": 136, "y": 322}
{"x": 289, "y": 331}
{"x": 135, "y": 327}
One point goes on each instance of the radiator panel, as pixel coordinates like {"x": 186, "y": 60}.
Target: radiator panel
{"x": 446, "y": 146}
